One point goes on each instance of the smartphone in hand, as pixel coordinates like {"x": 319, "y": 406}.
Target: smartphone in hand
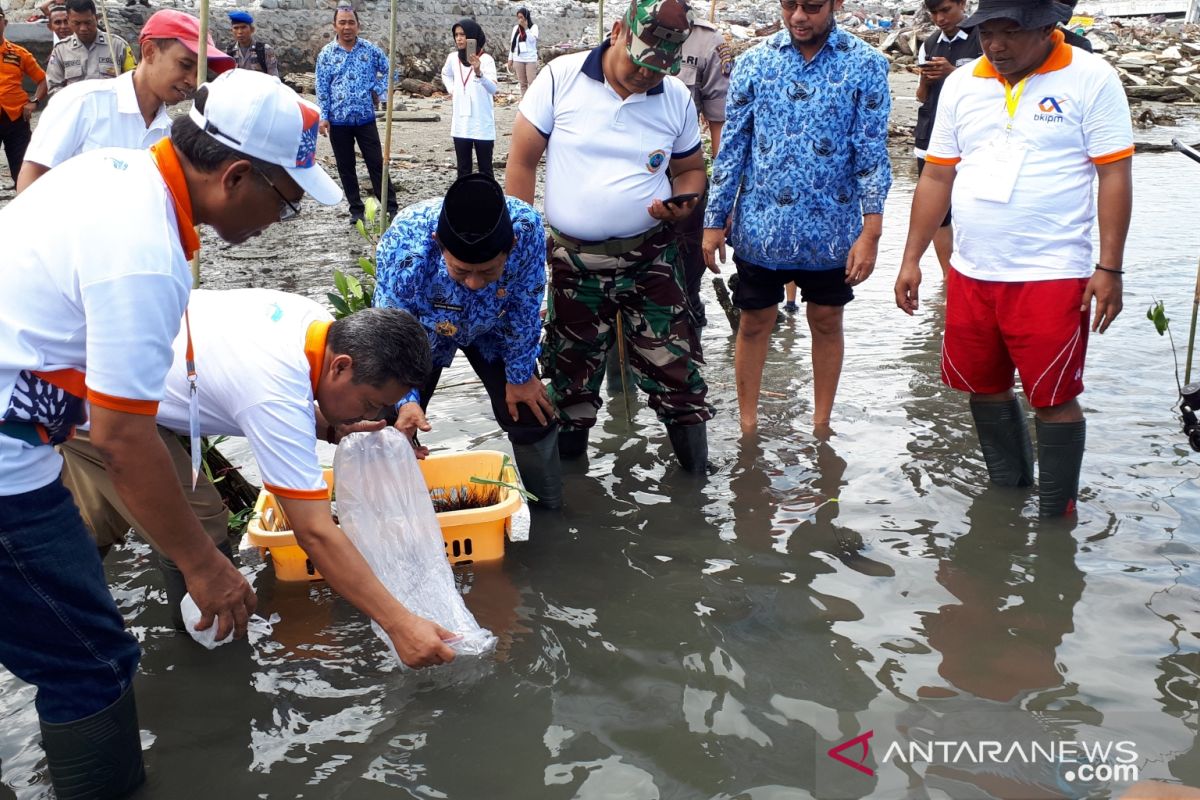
{"x": 680, "y": 199}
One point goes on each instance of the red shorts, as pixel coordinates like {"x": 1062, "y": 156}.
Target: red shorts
{"x": 1034, "y": 328}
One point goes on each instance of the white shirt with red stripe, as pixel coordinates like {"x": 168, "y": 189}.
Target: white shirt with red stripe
{"x": 1072, "y": 115}
{"x": 105, "y": 298}
{"x": 258, "y": 357}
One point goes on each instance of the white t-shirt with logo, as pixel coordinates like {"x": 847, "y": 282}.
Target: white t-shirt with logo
{"x": 105, "y": 299}
{"x": 258, "y": 355}
{"x": 606, "y": 158}
{"x": 92, "y": 114}
{"x": 1072, "y": 115}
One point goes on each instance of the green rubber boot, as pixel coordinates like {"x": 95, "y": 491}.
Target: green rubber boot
{"x": 97, "y": 757}
{"x": 1060, "y": 457}
{"x": 541, "y": 470}
{"x": 691, "y": 446}
{"x": 1004, "y": 440}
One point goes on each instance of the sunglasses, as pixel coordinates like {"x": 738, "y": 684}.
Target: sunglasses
{"x": 809, "y": 8}
{"x": 287, "y": 209}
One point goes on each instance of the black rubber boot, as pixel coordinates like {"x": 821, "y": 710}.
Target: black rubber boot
{"x": 1060, "y": 456}
{"x": 176, "y": 587}
{"x": 691, "y": 446}
{"x": 572, "y": 443}
{"x": 97, "y": 757}
{"x": 1004, "y": 439}
{"x": 541, "y": 470}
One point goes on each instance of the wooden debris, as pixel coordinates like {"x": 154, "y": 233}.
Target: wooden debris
{"x": 725, "y": 300}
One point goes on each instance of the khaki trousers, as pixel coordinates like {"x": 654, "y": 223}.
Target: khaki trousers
{"x": 106, "y": 515}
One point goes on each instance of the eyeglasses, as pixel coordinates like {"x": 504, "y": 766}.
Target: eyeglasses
{"x": 809, "y": 8}
{"x": 287, "y": 209}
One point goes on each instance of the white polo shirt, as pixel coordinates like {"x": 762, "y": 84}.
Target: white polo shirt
{"x": 1071, "y": 116}
{"x": 90, "y": 311}
{"x": 606, "y": 158}
{"x": 258, "y": 357}
{"x": 92, "y": 114}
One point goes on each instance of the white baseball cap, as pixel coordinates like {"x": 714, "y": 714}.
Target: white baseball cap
{"x": 255, "y": 114}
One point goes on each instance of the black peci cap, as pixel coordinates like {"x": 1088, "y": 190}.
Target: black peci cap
{"x": 474, "y": 224}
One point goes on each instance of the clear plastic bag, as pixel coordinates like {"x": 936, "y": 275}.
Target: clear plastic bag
{"x": 384, "y": 507}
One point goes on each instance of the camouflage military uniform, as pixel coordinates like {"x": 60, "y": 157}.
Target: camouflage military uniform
{"x": 608, "y": 157}
{"x": 643, "y": 285}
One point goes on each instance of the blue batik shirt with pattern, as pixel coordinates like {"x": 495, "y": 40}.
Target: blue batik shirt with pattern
{"x": 803, "y": 152}
{"x": 503, "y": 319}
{"x": 346, "y": 79}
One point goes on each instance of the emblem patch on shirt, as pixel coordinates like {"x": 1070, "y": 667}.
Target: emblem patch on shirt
{"x": 725, "y": 53}
{"x": 655, "y": 160}
{"x": 446, "y": 328}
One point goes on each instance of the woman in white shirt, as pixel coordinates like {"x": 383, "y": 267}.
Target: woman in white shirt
{"x": 523, "y": 54}
{"x": 470, "y": 79}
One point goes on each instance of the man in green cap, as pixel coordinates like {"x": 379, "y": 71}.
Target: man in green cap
{"x": 623, "y": 167}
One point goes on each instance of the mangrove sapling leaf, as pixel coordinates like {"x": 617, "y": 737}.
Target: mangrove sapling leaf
{"x": 1157, "y": 314}
{"x": 521, "y": 490}
{"x": 340, "y": 309}
{"x": 505, "y": 465}
{"x": 366, "y": 265}
{"x": 339, "y": 282}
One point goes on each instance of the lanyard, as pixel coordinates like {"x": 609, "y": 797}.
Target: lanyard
{"x": 193, "y": 402}
{"x": 466, "y": 78}
{"x": 1013, "y": 99}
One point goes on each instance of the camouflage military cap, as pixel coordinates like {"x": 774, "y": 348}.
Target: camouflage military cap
{"x": 658, "y": 29}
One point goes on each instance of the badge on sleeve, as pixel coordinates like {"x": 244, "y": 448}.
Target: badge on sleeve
{"x": 725, "y": 53}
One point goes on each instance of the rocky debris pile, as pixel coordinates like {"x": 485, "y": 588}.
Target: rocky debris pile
{"x": 1154, "y": 64}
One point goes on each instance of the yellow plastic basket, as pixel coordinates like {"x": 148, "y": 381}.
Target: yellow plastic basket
{"x": 473, "y": 534}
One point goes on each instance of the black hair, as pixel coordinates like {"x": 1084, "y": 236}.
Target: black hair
{"x": 932, "y": 4}
{"x": 203, "y": 151}
{"x": 385, "y": 344}
{"x": 81, "y": 6}
{"x": 349, "y": 8}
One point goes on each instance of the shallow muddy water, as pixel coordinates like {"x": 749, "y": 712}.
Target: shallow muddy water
{"x": 664, "y": 638}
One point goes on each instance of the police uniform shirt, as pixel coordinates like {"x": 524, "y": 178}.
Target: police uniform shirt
{"x": 247, "y": 58}
{"x": 707, "y": 62}
{"x": 72, "y": 61}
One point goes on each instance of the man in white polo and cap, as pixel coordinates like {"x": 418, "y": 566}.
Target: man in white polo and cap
{"x": 88, "y": 339}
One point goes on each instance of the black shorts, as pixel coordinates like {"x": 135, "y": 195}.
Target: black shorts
{"x": 759, "y": 287}
{"x": 920, "y": 168}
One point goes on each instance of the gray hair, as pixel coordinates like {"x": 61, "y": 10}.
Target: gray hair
{"x": 385, "y": 344}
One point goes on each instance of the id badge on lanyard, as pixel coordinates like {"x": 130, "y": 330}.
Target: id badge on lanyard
{"x": 1003, "y": 155}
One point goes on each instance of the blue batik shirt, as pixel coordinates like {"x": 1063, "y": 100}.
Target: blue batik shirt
{"x": 803, "y": 152}
{"x": 346, "y": 79}
{"x": 503, "y": 319}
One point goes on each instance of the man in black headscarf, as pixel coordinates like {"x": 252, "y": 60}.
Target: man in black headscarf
{"x": 471, "y": 268}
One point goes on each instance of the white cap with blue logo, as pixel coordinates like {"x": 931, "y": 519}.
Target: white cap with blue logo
{"x": 255, "y": 114}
